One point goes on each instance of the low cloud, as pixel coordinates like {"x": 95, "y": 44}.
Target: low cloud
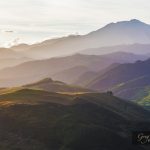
{"x": 14, "y": 42}
{"x": 7, "y": 31}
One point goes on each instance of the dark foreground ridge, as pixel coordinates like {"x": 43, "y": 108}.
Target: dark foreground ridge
{"x": 39, "y": 120}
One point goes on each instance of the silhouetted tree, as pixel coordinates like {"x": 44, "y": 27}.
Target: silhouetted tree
{"x": 110, "y": 93}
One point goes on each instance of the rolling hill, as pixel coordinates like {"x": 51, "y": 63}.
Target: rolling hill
{"x": 56, "y": 86}
{"x": 120, "y": 33}
{"x": 42, "y": 120}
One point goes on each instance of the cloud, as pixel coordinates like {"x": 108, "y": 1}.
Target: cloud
{"x": 14, "y": 42}
{"x": 7, "y": 31}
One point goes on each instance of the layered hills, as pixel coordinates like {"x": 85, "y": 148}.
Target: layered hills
{"x": 129, "y": 81}
{"x": 66, "y": 69}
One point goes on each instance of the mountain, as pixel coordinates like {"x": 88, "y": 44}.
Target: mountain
{"x": 25, "y": 74}
{"x": 126, "y": 80}
{"x": 120, "y": 33}
{"x": 89, "y": 76}
{"x": 40, "y": 120}
{"x": 141, "y": 49}
{"x": 5, "y": 63}
{"x": 85, "y": 78}
{"x": 123, "y": 57}
{"x": 71, "y": 75}
{"x": 6, "y": 53}
{"x": 55, "y": 86}
{"x": 9, "y": 58}
{"x": 20, "y": 47}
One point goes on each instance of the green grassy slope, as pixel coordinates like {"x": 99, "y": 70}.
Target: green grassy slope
{"x": 145, "y": 100}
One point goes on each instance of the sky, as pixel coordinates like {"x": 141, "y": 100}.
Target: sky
{"x": 31, "y": 21}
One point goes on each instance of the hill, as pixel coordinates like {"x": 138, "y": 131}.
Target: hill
{"x": 89, "y": 76}
{"x": 120, "y": 33}
{"x": 61, "y": 68}
{"x": 20, "y": 47}
{"x": 126, "y": 80}
{"x": 9, "y": 58}
{"x": 145, "y": 101}
{"x": 72, "y": 74}
{"x": 11, "y": 62}
{"x": 56, "y": 86}
{"x": 42, "y": 121}
{"x": 6, "y": 53}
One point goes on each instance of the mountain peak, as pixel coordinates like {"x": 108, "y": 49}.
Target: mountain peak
{"x": 135, "y": 21}
{"x": 46, "y": 80}
{"x": 132, "y": 21}
{"x": 122, "y": 26}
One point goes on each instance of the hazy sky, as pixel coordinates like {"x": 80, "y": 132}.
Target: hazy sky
{"x": 35, "y": 20}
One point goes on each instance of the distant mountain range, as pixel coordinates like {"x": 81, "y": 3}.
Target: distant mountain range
{"x": 142, "y": 49}
{"x": 120, "y": 33}
{"x": 97, "y": 60}
{"x": 66, "y": 69}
